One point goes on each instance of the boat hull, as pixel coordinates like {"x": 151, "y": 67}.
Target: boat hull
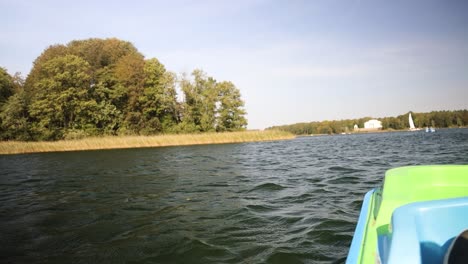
{"x": 402, "y": 186}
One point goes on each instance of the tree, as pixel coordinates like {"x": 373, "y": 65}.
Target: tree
{"x": 110, "y": 97}
{"x": 101, "y": 53}
{"x": 130, "y": 74}
{"x": 61, "y": 96}
{"x": 211, "y": 106}
{"x": 190, "y": 114}
{"x": 34, "y": 75}
{"x": 14, "y": 118}
{"x": 7, "y": 87}
{"x": 159, "y": 100}
{"x": 207, "y": 88}
{"x": 230, "y": 113}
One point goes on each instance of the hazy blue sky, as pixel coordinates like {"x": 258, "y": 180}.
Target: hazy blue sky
{"x": 294, "y": 61}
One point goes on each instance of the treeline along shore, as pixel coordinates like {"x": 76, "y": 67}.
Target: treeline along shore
{"x": 436, "y": 119}
{"x": 106, "y": 87}
{"x": 104, "y": 94}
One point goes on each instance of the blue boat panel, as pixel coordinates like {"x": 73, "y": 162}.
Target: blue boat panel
{"x": 358, "y": 237}
{"x": 422, "y": 232}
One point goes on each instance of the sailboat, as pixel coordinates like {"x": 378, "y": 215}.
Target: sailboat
{"x": 411, "y": 124}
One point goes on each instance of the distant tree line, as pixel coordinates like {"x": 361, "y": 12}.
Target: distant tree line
{"x": 106, "y": 87}
{"x": 439, "y": 119}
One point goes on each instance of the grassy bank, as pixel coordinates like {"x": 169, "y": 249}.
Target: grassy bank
{"x": 17, "y": 147}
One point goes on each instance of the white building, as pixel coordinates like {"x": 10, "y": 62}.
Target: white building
{"x": 373, "y": 124}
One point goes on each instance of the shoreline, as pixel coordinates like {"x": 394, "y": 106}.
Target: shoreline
{"x": 127, "y": 142}
{"x": 375, "y": 131}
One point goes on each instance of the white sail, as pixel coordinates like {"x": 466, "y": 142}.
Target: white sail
{"x": 411, "y": 123}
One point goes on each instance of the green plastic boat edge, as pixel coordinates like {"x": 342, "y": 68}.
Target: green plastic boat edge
{"x": 402, "y": 186}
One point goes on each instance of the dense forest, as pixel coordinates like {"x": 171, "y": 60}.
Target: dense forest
{"x": 439, "y": 119}
{"x": 106, "y": 87}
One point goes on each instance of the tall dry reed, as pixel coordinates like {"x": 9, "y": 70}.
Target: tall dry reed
{"x": 116, "y": 142}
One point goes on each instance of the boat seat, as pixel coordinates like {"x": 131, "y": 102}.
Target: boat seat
{"x": 422, "y": 232}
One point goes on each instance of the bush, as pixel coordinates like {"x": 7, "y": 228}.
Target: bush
{"x": 74, "y": 134}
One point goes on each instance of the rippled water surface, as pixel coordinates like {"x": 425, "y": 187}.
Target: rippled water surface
{"x": 293, "y": 201}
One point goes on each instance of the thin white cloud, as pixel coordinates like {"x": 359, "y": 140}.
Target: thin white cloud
{"x": 323, "y": 72}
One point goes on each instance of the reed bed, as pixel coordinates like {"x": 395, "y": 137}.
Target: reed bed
{"x": 120, "y": 142}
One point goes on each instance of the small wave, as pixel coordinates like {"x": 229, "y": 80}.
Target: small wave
{"x": 137, "y": 208}
{"x": 287, "y": 220}
{"x": 208, "y": 252}
{"x": 168, "y": 209}
{"x": 332, "y": 225}
{"x": 356, "y": 204}
{"x": 260, "y": 208}
{"x": 328, "y": 237}
{"x": 344, "y": 169}
{"x": 268, "y": 187}
{"x": 31, "y": 180}
{"x": 305, "y": 197}
{"x": 217, "y": 185}
{"x": 287, "y": 255}
{"x": 378, "y": 163}
{"x": 284, "y": 257}
{"x": 315, "y": 180}
{"x": 343, "y": 179}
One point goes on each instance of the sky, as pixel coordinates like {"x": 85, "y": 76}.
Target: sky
{"x": 293, "y": 61}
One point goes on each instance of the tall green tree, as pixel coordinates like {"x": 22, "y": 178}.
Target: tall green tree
{"x": 129, "y": 71}
{"x": 208, "y": 89}
{"x": 231, "y": 113}
{"x": 110, "y": 97}
{"x": 62, "y": 95}
{"x": 34, "y": 75}
{"x": 100, "y": 53}
{"x": 199, "y": 108}
{"x": 159, "y": 100}
{"x": 14, "y": 118}
{"x": 7, "y": 87}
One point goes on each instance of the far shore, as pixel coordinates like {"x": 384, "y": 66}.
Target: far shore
{"x": 122, "y": 142}
{"x": 371, "y": 131}
{"x": 354, "y": 132}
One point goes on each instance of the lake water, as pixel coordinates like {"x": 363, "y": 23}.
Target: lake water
{"x": 293, "y": 201}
